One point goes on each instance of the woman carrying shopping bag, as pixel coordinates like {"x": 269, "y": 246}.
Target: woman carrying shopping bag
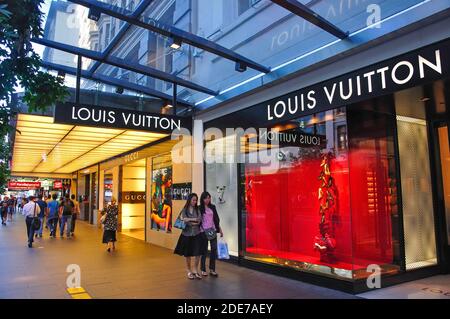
{"x": 210, "y": 226}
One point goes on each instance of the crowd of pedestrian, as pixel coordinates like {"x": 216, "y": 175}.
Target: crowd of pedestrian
{"x": 8, "y": 207}
{"x": 42, "y": 213}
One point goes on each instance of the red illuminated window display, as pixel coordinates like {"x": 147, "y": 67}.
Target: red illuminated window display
{"x": 333, "y": 207}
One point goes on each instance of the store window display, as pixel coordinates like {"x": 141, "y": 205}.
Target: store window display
{"x": 331, "y": 206}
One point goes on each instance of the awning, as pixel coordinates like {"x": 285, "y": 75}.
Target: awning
{"x": 44, "y": 147}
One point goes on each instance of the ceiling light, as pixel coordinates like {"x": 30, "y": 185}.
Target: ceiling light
{"x": 240, "y": 66}
{"x": 424, "y": 99}
{"x": 175, "y": 43}
{"x": 94, "y": 14}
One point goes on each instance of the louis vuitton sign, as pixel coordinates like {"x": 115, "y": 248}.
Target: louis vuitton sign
{"x": 108, "y": 117}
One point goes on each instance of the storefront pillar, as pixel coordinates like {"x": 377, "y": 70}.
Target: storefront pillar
{"x": 198, "y": 184}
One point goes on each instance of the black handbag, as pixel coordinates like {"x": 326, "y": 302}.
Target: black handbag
{"x": 36, "y": 221}
{"x": 211, "y": 233}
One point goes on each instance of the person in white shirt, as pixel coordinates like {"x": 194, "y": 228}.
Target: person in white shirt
{"x": 30, "y": 211}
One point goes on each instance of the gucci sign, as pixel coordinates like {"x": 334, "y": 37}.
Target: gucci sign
{"x": 133, "y": 197}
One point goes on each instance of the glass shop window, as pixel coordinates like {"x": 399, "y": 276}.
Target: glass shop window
{"x": 328, "y": 203}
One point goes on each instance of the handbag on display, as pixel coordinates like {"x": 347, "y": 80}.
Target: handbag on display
{"x": 179, "y": 223}
{"x": 36, "y": 220}
{"x": 210, "y": 233}
{"x": 222, "y": 249}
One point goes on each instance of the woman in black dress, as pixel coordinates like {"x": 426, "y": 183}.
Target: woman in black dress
{"x": 110, "y": 221}
{"x": 192, "y": 242}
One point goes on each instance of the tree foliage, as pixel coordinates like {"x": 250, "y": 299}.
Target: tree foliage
{"x": 20, "y": 20}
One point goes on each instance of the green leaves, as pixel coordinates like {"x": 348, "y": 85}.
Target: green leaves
{"x": 44, "y": 90}
{"x": 20, "y": 20}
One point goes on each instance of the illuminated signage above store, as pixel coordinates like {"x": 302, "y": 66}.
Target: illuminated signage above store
{"x": 292, "y": 138}
{"x": 107, "y": 117}
{"x": 131, "y": 157}
{"x": 181, "y": 191}
{"x": 132, "y": 197}
{"x": 427, "y": 64}
{"x": 57, "y": 184}
{"x": 417, "y": 67}
{"x": 16, "y": 185}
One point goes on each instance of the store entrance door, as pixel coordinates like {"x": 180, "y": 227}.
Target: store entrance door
{"x": 444, "y": 220}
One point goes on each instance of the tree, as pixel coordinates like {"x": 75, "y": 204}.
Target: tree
{"x": 20, "y": 20}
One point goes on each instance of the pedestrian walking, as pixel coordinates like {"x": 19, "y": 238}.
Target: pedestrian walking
{"x": 3, "y": 211}
{"x": 110, "y": 222}
{"x": 43, "y": 211}
{"x": 53, "y": 215}
{"x": 76, "y": 211}
{"x": 66, "y": 211}
{"x": 19, "y": 204}
{"x": 10, "y": 208}
{"x": 31, "y": 210}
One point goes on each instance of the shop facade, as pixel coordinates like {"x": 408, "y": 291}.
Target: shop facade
{"x": 340, "y": 179}
{"x": 148, "y": 187}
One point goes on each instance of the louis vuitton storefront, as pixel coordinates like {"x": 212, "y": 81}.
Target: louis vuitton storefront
{"x": 341, "y": 179}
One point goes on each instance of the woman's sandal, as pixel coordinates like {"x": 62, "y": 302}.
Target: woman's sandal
{"x": 213, "y": 273}
{"x": 191, "y": 275}
{"x": 197, "y": 275}
{"x": 204, "y": 273}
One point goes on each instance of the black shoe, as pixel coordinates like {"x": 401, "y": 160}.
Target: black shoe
{"x": 108, "y": 250}
{"x": 30, "y": 245}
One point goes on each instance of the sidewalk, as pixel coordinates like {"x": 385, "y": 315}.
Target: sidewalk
{"x": 135, "y": 270}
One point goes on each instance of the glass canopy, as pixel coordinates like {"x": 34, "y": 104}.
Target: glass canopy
{"x": 212, "y": 49}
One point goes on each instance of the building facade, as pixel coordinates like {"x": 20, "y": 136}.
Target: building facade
{"x": 329, "y": 168}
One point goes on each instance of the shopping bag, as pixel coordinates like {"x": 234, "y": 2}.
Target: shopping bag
{"x": 222, "y": 249}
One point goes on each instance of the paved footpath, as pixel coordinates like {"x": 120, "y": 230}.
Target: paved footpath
{"x": 135, "y": 270}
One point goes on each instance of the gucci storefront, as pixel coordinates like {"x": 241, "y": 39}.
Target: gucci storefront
{"x": 339, "y": 180}
{"x": 141, "y": 177}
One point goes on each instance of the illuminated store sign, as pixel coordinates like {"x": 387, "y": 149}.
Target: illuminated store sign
{"x": 403, "y": 72}
{"x": 181, "y": 191}
{"x": 23, "y": 185}
{"x": 133, "y": 197}
{"x": 290, "y": 138}
{"x": 418, "y": 67}
{"x": 57, "y": 184}
{"x": 107, "y": 117}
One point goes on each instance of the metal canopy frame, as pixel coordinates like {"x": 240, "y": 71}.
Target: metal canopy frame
{"x": 114, "y": 82}
{"x": 121, "y": 34}
{"x": 135, "y": 18}
{"x": 172, "y": 32}
{"x": 306, "y": 13}
{"x": 123, "y": 64}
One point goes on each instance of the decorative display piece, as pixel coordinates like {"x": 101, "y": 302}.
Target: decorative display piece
{"x": 221, "y": 193}
{"x": 325, "y": 242}
{"x": 161, "y": 214}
